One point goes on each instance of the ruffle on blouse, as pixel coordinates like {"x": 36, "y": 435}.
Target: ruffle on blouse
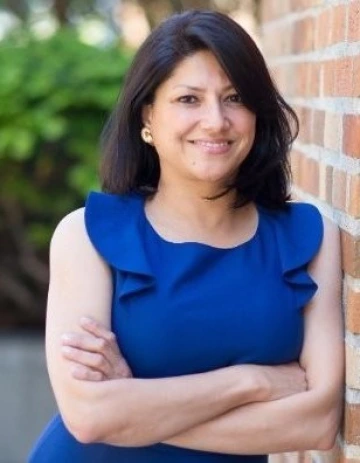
{"x": 299, "y": 233}
{"x": 113, "y": 223}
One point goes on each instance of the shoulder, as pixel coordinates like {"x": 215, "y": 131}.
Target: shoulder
{"x": 70, "y": 231}
{"x": 72, "y": 222}
{"x": 71, "y": 248}
{"x": 299, "y": 212}
{"x": 329, "y": 255}
{"x": 307, "y": 218}
{"x": 299, "y": 228}
{"x": 319, "y": 235}
{"x": 295, "y": 213}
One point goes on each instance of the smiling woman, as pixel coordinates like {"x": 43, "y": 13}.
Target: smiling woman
{"x": 192, "y": 314}
{"x": 212, "y": 130}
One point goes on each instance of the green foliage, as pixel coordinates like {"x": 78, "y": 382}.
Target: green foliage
{"x": 55, "y": 96}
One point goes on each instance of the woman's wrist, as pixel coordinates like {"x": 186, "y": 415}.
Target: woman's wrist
{"x": 254, "y": 383}
{"x": 264, "y": 383}
{"x": 246, "y": 384}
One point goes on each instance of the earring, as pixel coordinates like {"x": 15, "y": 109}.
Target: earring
{"x": 146, "y": 135}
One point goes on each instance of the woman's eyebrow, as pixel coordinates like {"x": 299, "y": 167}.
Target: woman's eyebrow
{"x": 202, "y": 89}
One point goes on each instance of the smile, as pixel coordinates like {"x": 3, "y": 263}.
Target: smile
{"x": 213, "y": 147}
{"x": 212, "y": 144}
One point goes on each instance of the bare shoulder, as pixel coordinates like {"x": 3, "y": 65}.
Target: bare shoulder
{"x": 71, "y": 250}
{"x": 70, "y": 235}
{"x": 70, "y": 229}
{"x": 80, "y": 280}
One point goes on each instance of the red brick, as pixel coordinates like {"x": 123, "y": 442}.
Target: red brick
{"x": 353, "y": 206}
{"x": 328, "y": 77}
{"x": 354, "y": 21}
{"x": 285, "y": 33}
{"x": 305, "y": 121}
{"x": 304, "y": 35}
{"x": 301, "y": 70}
{"x": 304, "y": 173}
{"x": 353, "y": 311}
{"x": 309, "y": 34}
{"x": 338, "y": 24}
{"x": 350, "y": 247}
{"x": 313, "y": 79}
{"x": 351, "y": 137}
{"x": 272, "y": 10}
{"x": 318, "y": 125}
{"x": 339, "y": 189}
{"x": 310, "y": 180}
{"x": 343, "y": 77}
{"x": 356, "y": 80}
{"x": 352, "y": 424}
{"x": 323, "y": 29}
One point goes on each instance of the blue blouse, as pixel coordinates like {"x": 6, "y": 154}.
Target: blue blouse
{"x": 184, "y": 308}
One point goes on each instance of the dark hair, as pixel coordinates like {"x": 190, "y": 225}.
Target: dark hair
{"x": 129, "y": 164}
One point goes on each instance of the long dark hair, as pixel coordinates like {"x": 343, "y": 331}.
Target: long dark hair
{"x": 129, "y": 164}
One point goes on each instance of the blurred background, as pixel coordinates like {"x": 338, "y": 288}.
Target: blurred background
{"x": 62, "y": 65}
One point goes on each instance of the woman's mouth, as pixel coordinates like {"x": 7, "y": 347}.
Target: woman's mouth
{"x": 213, "y": 146}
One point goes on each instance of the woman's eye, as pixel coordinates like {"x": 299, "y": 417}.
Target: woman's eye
{"x": 235, "y": 98}
{"x": 189, "y": 99}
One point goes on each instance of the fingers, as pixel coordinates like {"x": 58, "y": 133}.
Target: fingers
{"x": 97, "y": 329}
{"x": 97, "y": 349}
{"x": 108, "y": 344}
{"x": 85, "y": 342}
{"x": 84, "y": 373}
{"x": 88, "y": 360}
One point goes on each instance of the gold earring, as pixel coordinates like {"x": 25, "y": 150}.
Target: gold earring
{"x": 146, "y": 135}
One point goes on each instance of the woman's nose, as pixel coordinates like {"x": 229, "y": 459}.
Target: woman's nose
{"x": 215, "y": 118}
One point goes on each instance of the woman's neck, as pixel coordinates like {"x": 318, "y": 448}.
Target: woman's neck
{"x": 186, "y": 214}
{"x": 195, "y": 204}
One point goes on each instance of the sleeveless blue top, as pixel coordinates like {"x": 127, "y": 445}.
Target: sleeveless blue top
{"x": 184, "y": 308}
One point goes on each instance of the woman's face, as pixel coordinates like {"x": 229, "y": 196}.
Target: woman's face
{"x": 201, "y": 130}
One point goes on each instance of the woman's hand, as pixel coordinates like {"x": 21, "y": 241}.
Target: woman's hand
{"x": 273, "y": 382}
{"x": 95, "y": 354}
{"x": 284, "y": 380}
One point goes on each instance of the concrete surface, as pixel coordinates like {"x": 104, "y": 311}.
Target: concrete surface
{"x": 26, "y": 400}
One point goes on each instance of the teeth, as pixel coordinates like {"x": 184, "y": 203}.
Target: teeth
{"x": 212, "y": 144}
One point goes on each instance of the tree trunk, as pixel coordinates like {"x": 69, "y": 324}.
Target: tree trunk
{"x": 19, "y": 8}
{"x": 61, "y": 10}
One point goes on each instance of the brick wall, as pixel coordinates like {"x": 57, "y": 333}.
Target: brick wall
{"x": 313, "y": 48}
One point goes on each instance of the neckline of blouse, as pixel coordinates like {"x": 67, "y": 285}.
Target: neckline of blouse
{"x": 198, "y": 244}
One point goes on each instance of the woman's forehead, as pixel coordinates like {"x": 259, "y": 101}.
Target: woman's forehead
{"x": 198, "y": 71}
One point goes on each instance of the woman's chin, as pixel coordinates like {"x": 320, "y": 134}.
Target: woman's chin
{"x": 212, "y": 185}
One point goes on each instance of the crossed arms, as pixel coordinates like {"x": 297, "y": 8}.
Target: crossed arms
{"x": 245, "y": 409}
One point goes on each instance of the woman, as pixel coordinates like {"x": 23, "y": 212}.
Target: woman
{"x": 217, "y": 288}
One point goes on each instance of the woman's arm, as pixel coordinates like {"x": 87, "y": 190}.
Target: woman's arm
{"x": 130, "y": 411}
{"x": 308, "y": 420}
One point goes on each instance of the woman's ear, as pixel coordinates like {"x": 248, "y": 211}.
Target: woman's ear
{"x": 146, "y": 115}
